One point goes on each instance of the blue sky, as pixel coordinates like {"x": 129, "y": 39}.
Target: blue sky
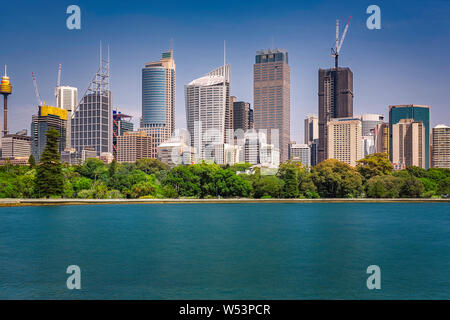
{"x": 404, "y": 62}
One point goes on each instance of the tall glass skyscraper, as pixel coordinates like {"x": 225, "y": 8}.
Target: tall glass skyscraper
{"x": 158, "y": 100}
{"x": 417, "y": 113}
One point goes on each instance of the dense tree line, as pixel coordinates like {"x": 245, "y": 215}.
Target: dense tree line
{"x": 149, "y": 178}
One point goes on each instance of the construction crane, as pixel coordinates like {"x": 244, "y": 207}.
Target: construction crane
{"x": 36, "y": 90}
{"x": 337, "y": 49}
{"x": 58, "y": 84}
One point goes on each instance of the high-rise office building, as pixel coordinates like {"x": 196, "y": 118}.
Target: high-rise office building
{"x": 158, "y": 99}
{"x": 15, "y": 145}
{"x": 242, "y": 115}
{"x": 417, "y": 113}
{"x": 48, "y": 117}
{"x": 300, "y": 153}
{"x": 344, "y": 140}
{"x": 314, "y": 152}
{"x": 311, "y": 129}
{"x": 67, "y": 99}
{"x": 134, "y": 145}
{"x": 381, "y": 133}
{"x": 251, "y": 147}
{"x": 369, "y": 122}
{"x": 335, "y": 101}
{"x": 207, "y": 99}
{"x": 92, "y": 122}
{"x": 271, "y": 98}
{"x": 408, "y": 143}
{"x": 441, "y": 147}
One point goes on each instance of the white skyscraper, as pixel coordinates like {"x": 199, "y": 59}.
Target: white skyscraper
{"x": 207, "y": 102}
{"x": 67, "y": 99}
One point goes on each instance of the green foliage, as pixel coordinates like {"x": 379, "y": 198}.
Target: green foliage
{"x": 444, "y": 186}
{"x": 268, "y": 187}
{"x": 49, "y": 177}
{"x": 335, "y": 179}
{"x": 149, "y": 178}
{"x": 93, "y": 169}
{"x": 384, "y": 186}
{"x": 376, "y": 164}
{"x": 31, "y": 161}
{"x": 411, "y": 188}
{"x": 289, "y": 174}
{"x": 416, "y": 172}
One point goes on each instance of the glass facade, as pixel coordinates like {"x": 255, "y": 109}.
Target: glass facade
{"x": 154, "y": 95}
{"x": 417, "y": 113}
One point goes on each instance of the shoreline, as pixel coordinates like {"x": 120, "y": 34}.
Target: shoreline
{"x": 61, "y": 202}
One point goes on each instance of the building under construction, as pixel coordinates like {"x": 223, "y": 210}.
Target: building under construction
{"x": 335, "y": 95}
{"x": 121, "y": 124}
{"x": 48, "y": 117}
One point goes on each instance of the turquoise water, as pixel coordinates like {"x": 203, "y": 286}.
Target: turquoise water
{"x": 226, "y": 251}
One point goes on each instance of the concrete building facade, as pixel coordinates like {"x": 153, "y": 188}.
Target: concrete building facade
{"x": 344, "y": 140}
{"x": 271, "y": 97}
{"x": 441, "y": 147}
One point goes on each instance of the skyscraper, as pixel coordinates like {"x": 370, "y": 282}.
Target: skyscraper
{"x": 300, "y": 153}
{"x": 158, "y": 99}
{"x": 408, "y": 144}
{"x": 381, "y": 133}
{"x": 344, "y": 140}
{"x": 207, "y": 99}
{"x": 416, "y": 113}
{"x": 271, "y": 97}
{"x": 311, "y": 129}
{"x": 48, "y": 117}
{"x": 92, "y": 120}
{"x": 242, "y": 115}
{"x": 67, "y": 99}
{"x": 335, "y": 101}
{"x": 441, "y": 147}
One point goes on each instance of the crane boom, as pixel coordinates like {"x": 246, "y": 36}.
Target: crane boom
{"x": 338, "y": 49}
{"x": 58, "y": 83}
{"x": 36, "y": 90}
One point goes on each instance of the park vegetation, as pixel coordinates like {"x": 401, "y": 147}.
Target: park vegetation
{"x": 373, "y": 177}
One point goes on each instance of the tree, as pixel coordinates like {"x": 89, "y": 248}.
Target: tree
{"x": 112, "y": 168}
{"x": 93, "y": 168}
{"x": 31, "y": 161}
{"x": 49, "y": 178}
{"x": 385, "y": 186}
{"x": 151, "y": 166}
{"x": 376, "y": 164}
{"x": 268, "y": 187}
{"x": 289, "y": 173}
{"x": 336, "y": 179}
{"x": 411, "y": 188}
{"x": 417, "y": 172}
{"x": 444, "y": 186}
{"x": 183, "y": 182}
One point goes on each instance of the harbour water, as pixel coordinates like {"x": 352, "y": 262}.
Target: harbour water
{"x": 226, "y": 251}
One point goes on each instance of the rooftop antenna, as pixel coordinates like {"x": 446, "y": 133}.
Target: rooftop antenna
{"x": 272, "y": 41}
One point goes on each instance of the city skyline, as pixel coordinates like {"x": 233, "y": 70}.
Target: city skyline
{"x": 379, "y": 59}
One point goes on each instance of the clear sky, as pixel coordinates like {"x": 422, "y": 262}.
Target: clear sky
{"x": 405, "y": 62}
